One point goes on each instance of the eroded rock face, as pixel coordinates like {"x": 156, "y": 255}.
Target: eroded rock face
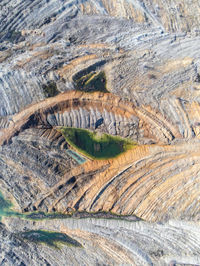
{"x": 148, "y": 52}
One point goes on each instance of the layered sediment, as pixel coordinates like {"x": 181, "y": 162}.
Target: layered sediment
{"x": 146, "y": 57}
{"x": 150, "y": 181}
{"x": 112, "y": 242}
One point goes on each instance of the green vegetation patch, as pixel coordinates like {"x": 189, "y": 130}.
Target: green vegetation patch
{"x": 50, "y": 89}
{"x": 94, "y": 81}
{"x": 96, "y": 145}
{"x": 49, "y": 238}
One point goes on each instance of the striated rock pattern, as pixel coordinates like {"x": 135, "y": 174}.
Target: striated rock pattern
{"x": 84, "y": 110}
{"x": 110, "y": 242}
{"x": 154, "y": 181}
{"x": 148, "y": 52}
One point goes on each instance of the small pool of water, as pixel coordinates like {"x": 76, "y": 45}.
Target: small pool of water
{"x": 76, "y": 156}
{"x": 95, "y": 145}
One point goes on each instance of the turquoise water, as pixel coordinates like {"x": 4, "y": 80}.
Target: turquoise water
{"x": 76, "y": 156}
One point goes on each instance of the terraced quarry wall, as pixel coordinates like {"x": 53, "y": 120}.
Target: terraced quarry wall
{"x": 138, "y": 182}
{"x": 129, "y": 69}
{"x": 79, "y": 110}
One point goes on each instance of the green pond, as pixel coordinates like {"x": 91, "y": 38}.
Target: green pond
{"x": 52, "y": 239}
{"x": 96, "y": 145}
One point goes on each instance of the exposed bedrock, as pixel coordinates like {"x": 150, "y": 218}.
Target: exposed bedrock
{"x": 110, "y": 242}
{"x": 169, "y": 15}
{"x": 153, "y": 77}
{"x": 82, "y": 110}
{"x": 145, "y": 54}
{"x": 154, "y": 182}
{"x": 142, "y": 62}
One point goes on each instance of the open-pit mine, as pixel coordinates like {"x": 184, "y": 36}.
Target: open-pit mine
{"x": 99, "y": 132}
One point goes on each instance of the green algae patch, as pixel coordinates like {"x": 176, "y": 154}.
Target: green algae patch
{"x": 52, "y": 239}
{"x": 94, "y": 81}
{"x": 95, "y": 145}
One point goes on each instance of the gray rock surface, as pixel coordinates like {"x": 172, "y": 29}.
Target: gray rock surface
{"x": 149, "y": 52}
{"x": 110, "y": 242}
